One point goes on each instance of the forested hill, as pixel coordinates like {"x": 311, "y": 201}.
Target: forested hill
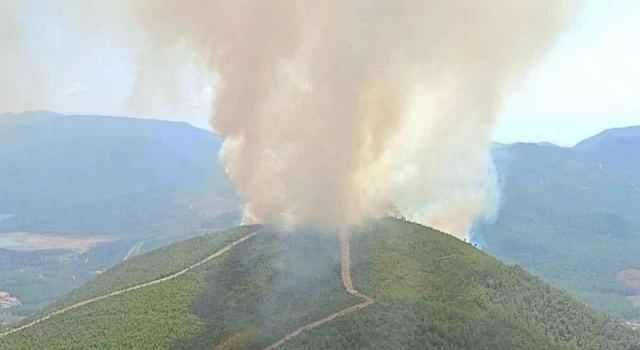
{"x": 132, "y": 184}
{"x": 570, "y": 215}
{"x": 431, "y": 291}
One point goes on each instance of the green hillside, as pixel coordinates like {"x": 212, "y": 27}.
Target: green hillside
{"x": 141, "y": 184}
{"x": 431, "y": 291}
{"x": 570, "y": 216}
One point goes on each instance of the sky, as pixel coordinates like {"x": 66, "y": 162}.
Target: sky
{"x": 588, "y": 83}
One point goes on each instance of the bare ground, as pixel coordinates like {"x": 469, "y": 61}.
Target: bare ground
{"x": 24, "y": 241}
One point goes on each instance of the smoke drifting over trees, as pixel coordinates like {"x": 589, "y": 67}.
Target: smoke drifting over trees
{"x": 334, "y": 111}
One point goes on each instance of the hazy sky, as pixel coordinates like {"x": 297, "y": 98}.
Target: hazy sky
{"x": 588, "y": 83}
{"x": 591, "y": 81}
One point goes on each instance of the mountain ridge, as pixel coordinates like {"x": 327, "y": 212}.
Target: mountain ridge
{"x": 569, "y": 216}
{"x": 142, "y": 183}
{"x": 432, "y": 291}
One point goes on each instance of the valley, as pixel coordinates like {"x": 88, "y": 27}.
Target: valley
{"x": 79, "y": 194}
{"x": 569, "y": 215}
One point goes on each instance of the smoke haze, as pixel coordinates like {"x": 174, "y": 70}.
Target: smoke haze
{"x": 334, "y": 111}
{"x": 14, "y": 84}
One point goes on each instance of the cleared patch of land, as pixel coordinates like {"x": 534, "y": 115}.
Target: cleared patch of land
{"x": 631, "y": 277}
{"x": 23, "y": 241}
{"x": 7, "y": 301}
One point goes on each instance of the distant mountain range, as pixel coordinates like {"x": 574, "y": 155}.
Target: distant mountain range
{"x": 141, "y": 183}
{"x": 94, "y": 174}
{"x": 572, "y": 216}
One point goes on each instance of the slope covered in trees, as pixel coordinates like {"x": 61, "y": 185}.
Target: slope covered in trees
{"x": 431, "y": 290}
{"x": 138, "y": 183}
{"x": 570, "y": 216}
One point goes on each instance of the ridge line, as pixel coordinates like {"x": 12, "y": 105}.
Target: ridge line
{"x": 130, "y": 289}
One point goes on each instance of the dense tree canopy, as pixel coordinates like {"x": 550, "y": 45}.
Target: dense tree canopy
{"x": 431, "y": 290}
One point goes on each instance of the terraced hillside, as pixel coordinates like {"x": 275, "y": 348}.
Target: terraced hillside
{"x": 431, "y": 291}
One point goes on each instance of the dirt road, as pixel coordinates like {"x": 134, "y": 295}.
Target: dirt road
{"x": 346, "y": 280}
{"x": 130, "y": 289}
{"x": 345, "y": 252}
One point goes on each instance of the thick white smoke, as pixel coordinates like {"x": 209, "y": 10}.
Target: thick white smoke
{"x": 334, "y": 111}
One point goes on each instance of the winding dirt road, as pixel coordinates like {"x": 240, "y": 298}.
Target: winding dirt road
{"x": 346, "y": 281}
{"x": 348, "y": 285}
{"x": 130, "y": 289}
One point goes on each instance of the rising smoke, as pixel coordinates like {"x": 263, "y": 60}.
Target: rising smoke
{"x": 15, "y": 85}
{"x": 334, "y": 111}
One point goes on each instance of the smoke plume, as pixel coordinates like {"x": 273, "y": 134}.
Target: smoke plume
{"x": 333, "y": 111}
{"x": 14, "y": 85}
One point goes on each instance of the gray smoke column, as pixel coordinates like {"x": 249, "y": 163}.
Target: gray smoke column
{"x": 333, "y": 111}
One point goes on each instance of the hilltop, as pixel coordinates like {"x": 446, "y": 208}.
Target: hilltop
{"x": 430, "y": 291}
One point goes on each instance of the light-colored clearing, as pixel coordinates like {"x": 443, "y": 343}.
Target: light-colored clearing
{"x": 630, "y": 277}
{"x": 23, "y": 241}
{"x": 8, "y": 301}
